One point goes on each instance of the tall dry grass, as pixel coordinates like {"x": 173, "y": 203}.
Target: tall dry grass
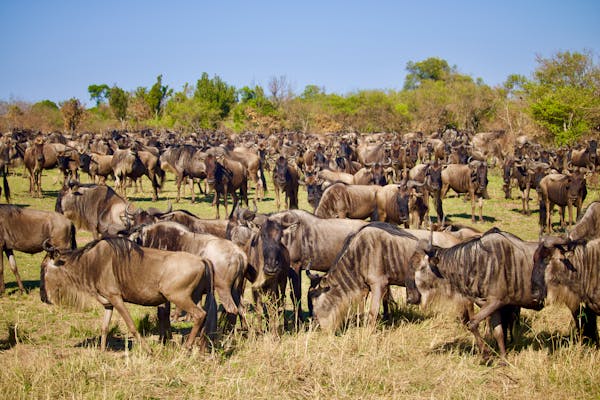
{"x": 52, "y": 352}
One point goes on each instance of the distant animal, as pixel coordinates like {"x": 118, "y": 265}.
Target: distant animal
{"x": 116, "y": 271}
{"x": 225, "y": 177}
{"x": 347, "y": 201}
{"x": 26, "y": 229}
{"x": 286, "y": 180}
{"x": 471, "y": 179}
{"x": 565, "y": 191}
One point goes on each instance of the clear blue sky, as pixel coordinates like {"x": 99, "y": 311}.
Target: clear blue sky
{"x": 55, "y": 49}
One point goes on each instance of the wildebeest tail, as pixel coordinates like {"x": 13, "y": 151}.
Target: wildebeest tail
{"x": 262, "y": 174}
{"x": 6, "y": 188}
{"x": 210, "y": 304}
{"x": 73, "y": 240}
{"x": 161, "y": 174}
{"x": 543, "y": 214}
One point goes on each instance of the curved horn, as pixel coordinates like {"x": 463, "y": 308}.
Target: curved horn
{"x": 48, "y": 247}
{"x": 389, "y": 162}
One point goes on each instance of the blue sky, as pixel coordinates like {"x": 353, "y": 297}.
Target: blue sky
{"x": 55, "y": 49}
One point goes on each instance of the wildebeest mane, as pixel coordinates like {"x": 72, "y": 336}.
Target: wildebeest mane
{"x": 388, "y": 228}
{"x": 8, "y": 211}
{"x": 122, "y": 248}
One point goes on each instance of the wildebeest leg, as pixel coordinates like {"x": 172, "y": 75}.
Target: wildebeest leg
{"x": 118, "y": 303}
{"x": 163, "y": 313}
{"x": 480, "y": 205}
{"x": 296, "y": 294}
{"x": 498, "y": 332}
{"x": 570, "y": 208}
{"x": 178, "y": 182}
{"x": 1, "y": 273}
{"x": 561, "y": 210}
{"x": 472, "y": 194}
{"x": 13, "y": 266}
{"x": 108, "y": 310}
{"x": 473, "y": 325}
{"x": 378, "y": 292}
{"x": 198, "y": 316}
{"x": 586, "y": 323}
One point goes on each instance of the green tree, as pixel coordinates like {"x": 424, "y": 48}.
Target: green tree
{"x": 564, "y": 95}
{"x": 215, "y": 93}
{"x": 157, "y": 96}
{"x": 98, "y": 93}
{"x": 118, "y": 101}
{"x": 433, "y": 68}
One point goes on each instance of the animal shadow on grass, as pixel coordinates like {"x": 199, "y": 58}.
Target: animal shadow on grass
{"x": 486, "y": 218}
{"x": 12, "y": 287}
{"x": 404, "y": 313}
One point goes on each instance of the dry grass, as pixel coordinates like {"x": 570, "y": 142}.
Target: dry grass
{"x": 51, "y": 352}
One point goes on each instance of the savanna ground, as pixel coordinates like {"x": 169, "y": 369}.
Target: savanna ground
{"x": 52, "y": 352}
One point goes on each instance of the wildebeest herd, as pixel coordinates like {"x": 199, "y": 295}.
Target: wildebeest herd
{"x": 154, "y": 258}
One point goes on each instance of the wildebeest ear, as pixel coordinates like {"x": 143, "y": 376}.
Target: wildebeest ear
{"x": 434, "y": 268}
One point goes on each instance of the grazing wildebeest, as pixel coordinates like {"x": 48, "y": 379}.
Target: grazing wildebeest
{"x": 471, "y": 179}
{"x": 95, "y": 208}
{"x": 286, "y": 180}
{"x": 372, "y": 259}
{"x": 25, "y": 229}
{"x": 185, "y": 161}
{"x": 588, "y": 226}
{"x": 116, "y": 270}
{"x": 568, "y": 273}
{"x": 564, "y": 191}
{"x": 270, "y": 260}
{"x": 347, "y": 201}
{"x": 492, "y": 271}
{"x": 229, "y": 261}
{"x": 216, "y": 227}
{"x": 225, "y": 177}
{"x": 312, "y": 242}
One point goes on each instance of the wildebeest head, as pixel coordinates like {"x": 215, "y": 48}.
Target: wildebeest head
{"x": 426, "y": 274}
{"x": 576, "y": 187}
{"x": 551, "y": 267}
{"x": 276, "y": 258}
{"x": 479, "y": 176}
{"x": 433, "y": 176}
{"x": 314, "y": 187}
{"x": 280, "y": 172}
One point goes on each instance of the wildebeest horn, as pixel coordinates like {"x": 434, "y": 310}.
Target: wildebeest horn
{"x": 388, "y": 162}
{"x": 552, "y": 241}
{"x": 47, "y": 246}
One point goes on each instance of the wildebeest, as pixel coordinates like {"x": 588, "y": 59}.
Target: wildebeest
{"x": 586, "y": 157}
{"x": 95, "y": 208}
{"x": 312, "y": 242}
{"x": 35, "y": 160}
{"x": 564, "y": 191}
{"x": 492, "y": 271}
{"x": 392, "y": 204}
{"x": 270, "y": 260}
{"x": 26, "y": 229}
{"x": 185, "y": 161}
{"x": 216, "y": 227}
{"x": 347, "y": 201}
{"x": 371, "y": 259}
{"x": 225, "y": 177}
{"x": 588, "y": 226}
{"x": 471, "y": 179}
{"x": 314, "y": 187}
{"x": 568, "y": 273}
{"x": 133, "y": 164}
{"x": 228, "y": 260}
{"x": 286, "y": 180}
{"x": 116, "y": 270}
